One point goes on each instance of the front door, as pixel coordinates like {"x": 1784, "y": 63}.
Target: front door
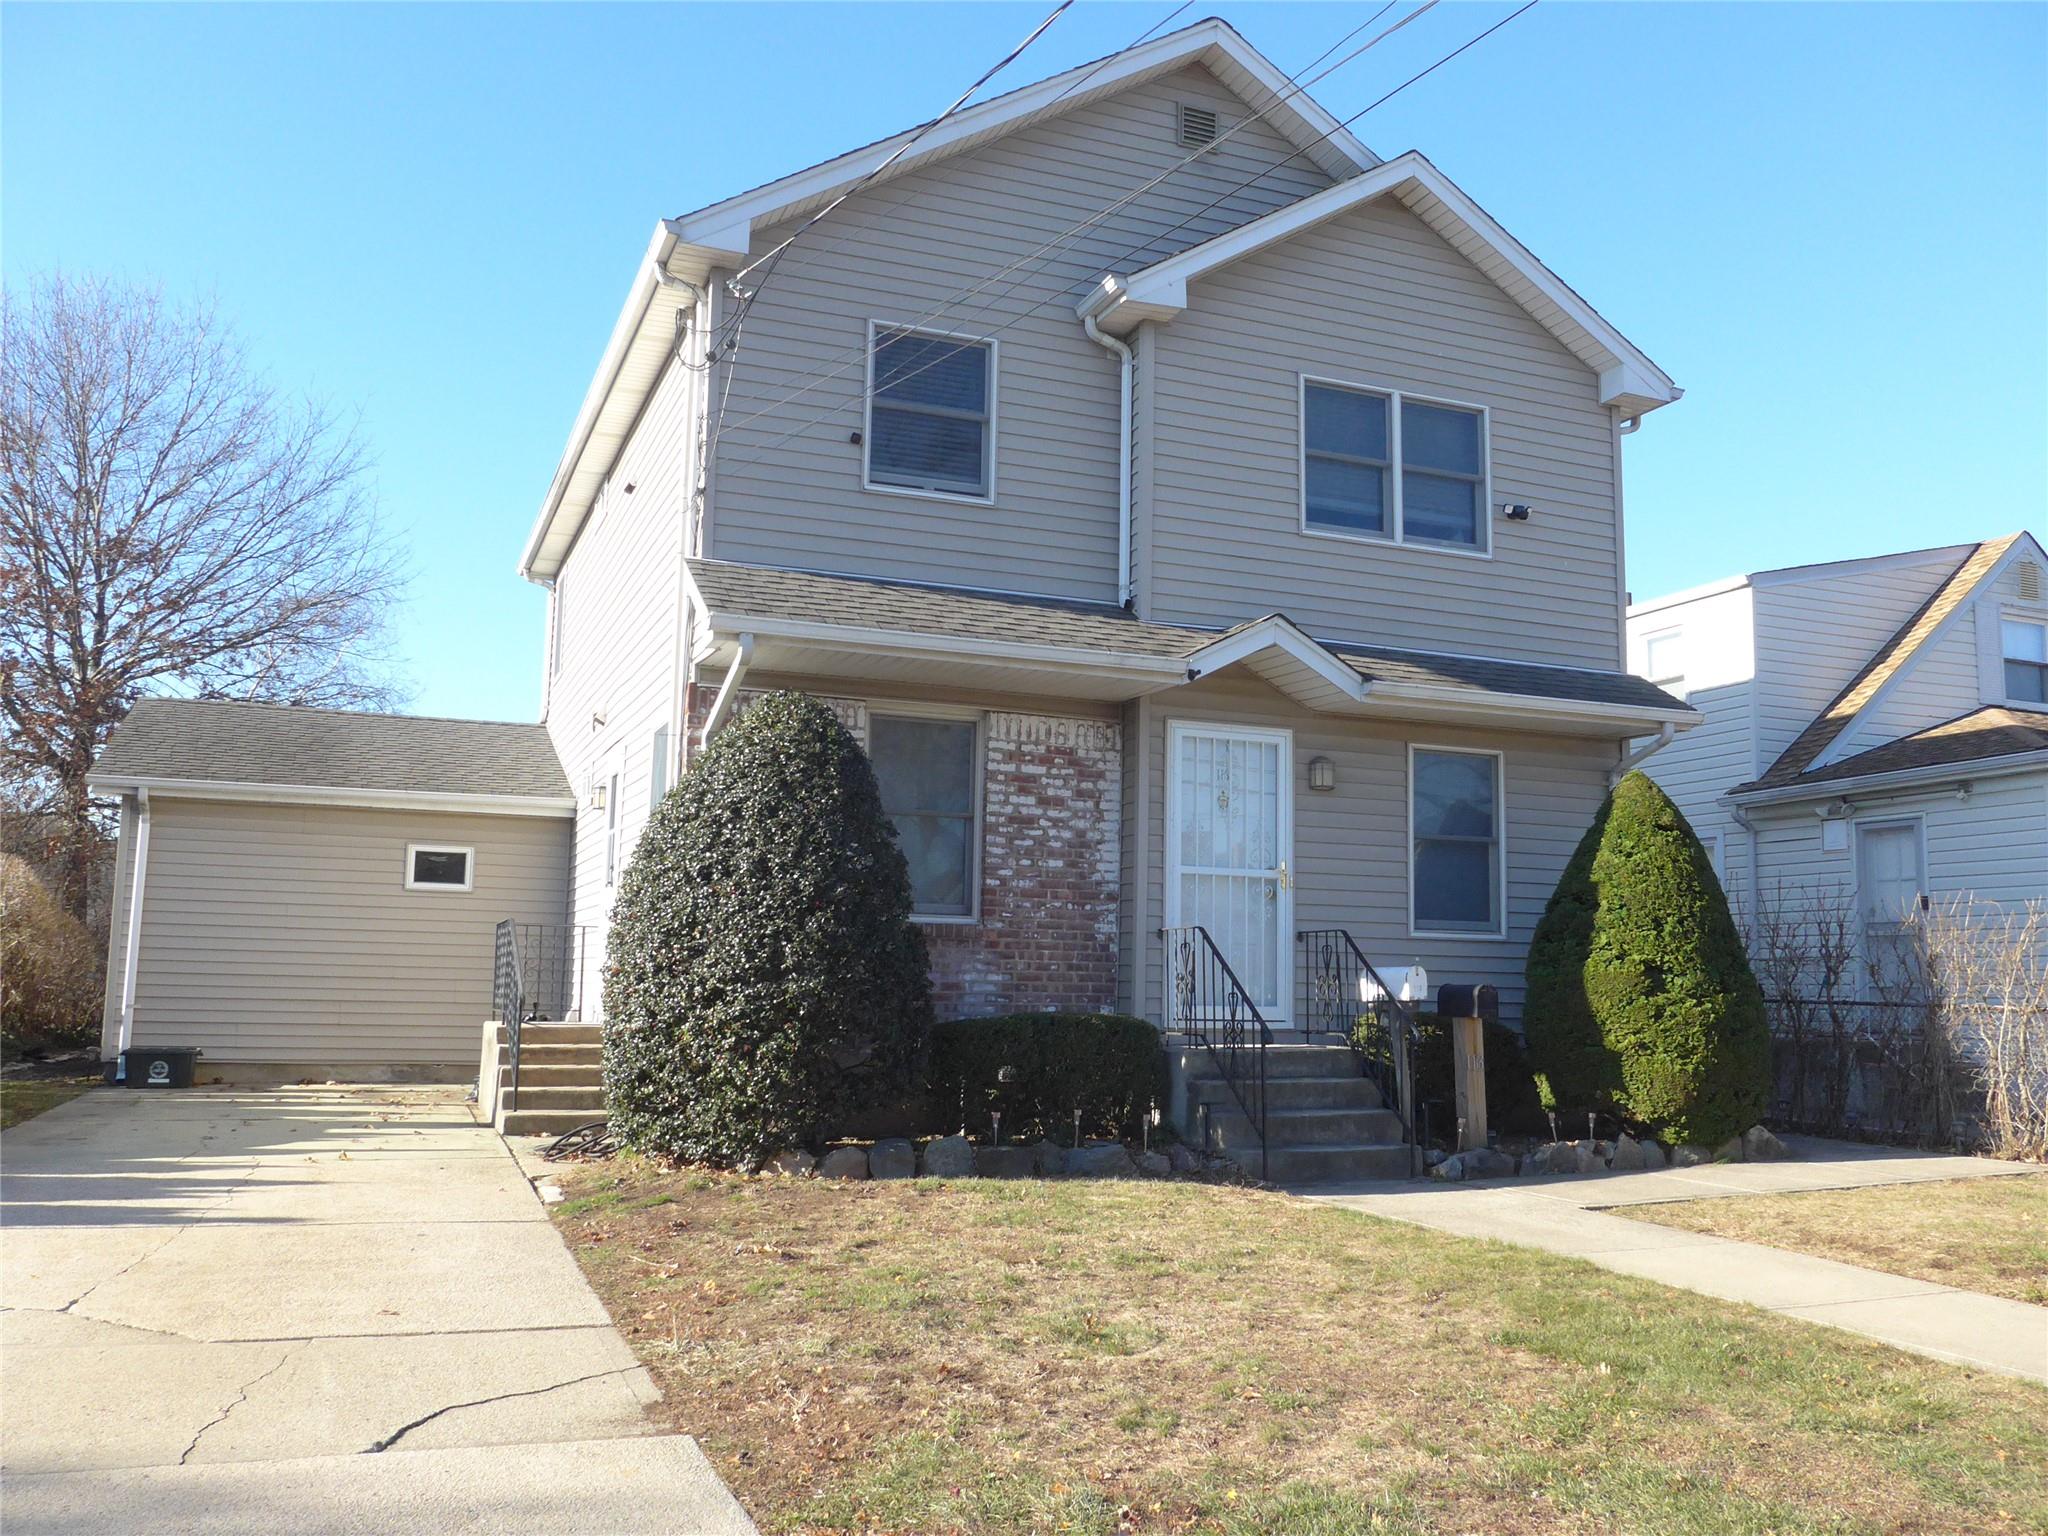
{"x": 1230, "y": 835}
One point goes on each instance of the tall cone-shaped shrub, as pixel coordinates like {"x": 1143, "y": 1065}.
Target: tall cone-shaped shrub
{"x": 1640, "y": 997}
{"x": 764, "y": 976}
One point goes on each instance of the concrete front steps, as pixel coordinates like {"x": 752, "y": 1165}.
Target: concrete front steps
{"x": 561, "y": 1079}
{"x": 1324, "y": 1122}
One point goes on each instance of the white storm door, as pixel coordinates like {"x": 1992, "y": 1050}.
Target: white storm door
{"x": 1229, "y": 837}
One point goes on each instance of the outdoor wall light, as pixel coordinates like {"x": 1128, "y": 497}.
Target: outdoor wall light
{"x": 1322, "y": 773}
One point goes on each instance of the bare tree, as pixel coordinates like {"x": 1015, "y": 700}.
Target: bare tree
{"x": 168, "y": 523}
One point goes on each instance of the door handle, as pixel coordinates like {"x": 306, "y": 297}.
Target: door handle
{"x": 1286, "y": 879}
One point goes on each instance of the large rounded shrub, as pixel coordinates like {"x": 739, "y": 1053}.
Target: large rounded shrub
{"x": 764, "y": 976}
{"x": 1640, "y": 997}
{"x": 49, "y": 964}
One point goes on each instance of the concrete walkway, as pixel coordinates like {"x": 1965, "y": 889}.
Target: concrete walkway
{"x": 1570, "y": 1216}
{"x": 317, "y": 1310}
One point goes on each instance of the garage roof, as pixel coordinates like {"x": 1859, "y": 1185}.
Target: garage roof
{"x": 191, "y": 743}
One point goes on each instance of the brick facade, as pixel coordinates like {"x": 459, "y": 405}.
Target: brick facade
{"x": 1046, "y": 936}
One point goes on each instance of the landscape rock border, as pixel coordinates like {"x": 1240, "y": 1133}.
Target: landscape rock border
{"x": 1625, "y": 1154}
{"x": 955, "y": 1157}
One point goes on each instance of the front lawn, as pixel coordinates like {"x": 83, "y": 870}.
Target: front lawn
{"x": 23, "y": 1098}
{"x": 1987, "y": 1235}
{"x": 1102, "y": 1357}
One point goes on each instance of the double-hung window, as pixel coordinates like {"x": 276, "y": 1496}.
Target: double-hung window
{"x": 931, "y": 423}
{"x": 1664, "y": 661}
{"x": 1454, "y": 868}
{"x": 2026, "y": 660}
{"x": 1377, "y": 464}
{"x": 928, "y": 770}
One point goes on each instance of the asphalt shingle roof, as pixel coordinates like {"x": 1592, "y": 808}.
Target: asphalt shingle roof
{"x": 233, "y": 742}
{"x": 873, "y": 603}
{"x": 1970, "y": 738}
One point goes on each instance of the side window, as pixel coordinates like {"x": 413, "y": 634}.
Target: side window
{"x": 435, "y": 867}
{"x": 1443, "y": 479}
{"x": 1378, "y": 464}
{"x": 657, "y": 769}
{"x": 1664, "y": 661}
{"x": 1454, "y": 868}
{"x": 611, "y": 830}
{"x": 2025, "y": 649}
{"x": 929, "y": 772}
{"x": 930, "y": 413}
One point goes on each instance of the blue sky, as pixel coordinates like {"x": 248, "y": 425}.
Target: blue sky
{"x": 1828, "y": 222}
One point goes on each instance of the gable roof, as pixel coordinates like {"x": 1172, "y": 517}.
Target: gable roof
{"x": 278, "y": 751}
{"x": 1817, "y": 570}
{"x": 839, "y": 612}
{"x": 1908, "y": 641}
{"x": 684, "y": 250}
{"x": 1628, "y": 379}
{"x": 1979, "y": 737}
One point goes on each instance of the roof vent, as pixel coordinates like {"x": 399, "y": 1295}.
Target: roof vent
{"x": 2030, "y": 582}
{"x": 1197, "y": 125}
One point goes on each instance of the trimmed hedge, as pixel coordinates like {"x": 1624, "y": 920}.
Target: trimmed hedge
{"x": 1640, "y": 997}
{"x": 1111, "y": 1066}
{"x": 765, "y": 977}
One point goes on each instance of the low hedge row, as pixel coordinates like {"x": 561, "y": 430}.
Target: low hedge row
{"x": 1109, "y": 1066}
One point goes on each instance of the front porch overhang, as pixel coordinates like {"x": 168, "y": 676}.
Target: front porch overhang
{"x": 1273, "y": 649}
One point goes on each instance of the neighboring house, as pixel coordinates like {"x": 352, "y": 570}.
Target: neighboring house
{"x": 1199, "y": 519}
{"x": 1875, "y": 731}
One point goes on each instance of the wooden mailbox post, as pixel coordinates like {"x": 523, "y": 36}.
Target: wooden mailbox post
{"x": 1470, "y": 1009}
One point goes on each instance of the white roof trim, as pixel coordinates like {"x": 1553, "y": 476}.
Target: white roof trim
{"x": 1214, "y": 43}
{"x": 315, "y": 794}
{"x": 917, "y": 642}
{"x": 1931, "y": 775}
{"x": 1628, "y": 379}
{"x": 1261, "y": 643}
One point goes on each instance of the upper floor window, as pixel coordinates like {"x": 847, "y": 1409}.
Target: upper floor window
{"x": 2026, "y": 660}
{"x": 931, "y": 421}
{"x": 436, "y": 867}
{"x": 1378, "y": 464}
{"x": 928, "y": 771}
{"x": 1664, "y": 662}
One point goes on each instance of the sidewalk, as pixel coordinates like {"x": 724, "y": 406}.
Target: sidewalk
{"x": 1569, "y": 1216}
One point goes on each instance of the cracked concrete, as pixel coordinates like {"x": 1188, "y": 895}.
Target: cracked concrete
{"x": 199, "y": 1289}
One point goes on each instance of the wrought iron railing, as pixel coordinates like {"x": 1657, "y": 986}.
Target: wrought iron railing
{"x": 536, "y": 975}
{"x": 1208, "y": 1003}
{"x": 1341, "y": 994}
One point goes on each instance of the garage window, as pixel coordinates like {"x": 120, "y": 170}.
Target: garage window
{"x": 432, "y": 867}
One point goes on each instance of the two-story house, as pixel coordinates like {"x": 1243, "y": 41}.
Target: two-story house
{"x": 1202, "y": 521}
{"x": 1875, "y": 731}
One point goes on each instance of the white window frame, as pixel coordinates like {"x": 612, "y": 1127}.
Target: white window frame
{"x": 911, "y": 709}
{"x": 614, "y": 822}
{"x": 1499, "y": 933}
{"x": 1397, "y": 534}
{"x": 468, "y": 868}
{"x": 658, "y": 784}
{"x": 2018, "y": 616}
{"x": 1675, "y": 683}
{"x": 867, "y": 433}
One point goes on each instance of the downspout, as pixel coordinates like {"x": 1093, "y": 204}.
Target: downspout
{"x": 134, "y": 947}
{"x": 1620, "y": 770}
{"x": 1632, "y": 424}
{"x": 729, "y": 690}
{"x": 1123, "y": 456}
{"x": 1740, "y": 816}
{"x": 685, "y": 320}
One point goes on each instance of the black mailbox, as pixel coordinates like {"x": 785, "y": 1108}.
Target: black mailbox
{"x": 1462, "y": 1000}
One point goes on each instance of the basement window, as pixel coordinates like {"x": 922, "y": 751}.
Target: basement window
{"x": 434, "y": 867}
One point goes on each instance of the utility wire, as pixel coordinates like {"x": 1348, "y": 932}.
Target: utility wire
{"x": 1031, "y": 259}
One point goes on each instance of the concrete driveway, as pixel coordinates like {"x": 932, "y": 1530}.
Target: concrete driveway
{"x": 310, "y": 1309}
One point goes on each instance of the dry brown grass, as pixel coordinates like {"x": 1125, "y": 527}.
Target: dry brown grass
{"x": 1987, "y": 1235}
{"x": 1095, "y": 1357}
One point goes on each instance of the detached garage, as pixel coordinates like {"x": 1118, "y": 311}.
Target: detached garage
{"x": 317, "y": 890}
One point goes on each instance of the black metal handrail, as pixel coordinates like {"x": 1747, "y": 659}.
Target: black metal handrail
{"x": 536, "y": 975}
{"x": 1211, "y": 1005}
{"x": 1379, "y": 1028}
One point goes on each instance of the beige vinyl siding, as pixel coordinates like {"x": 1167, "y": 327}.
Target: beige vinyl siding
{"x": 1375, "y": 297}
{"x": 1350, "y": 855}
{"x": 275, "y": 933}
{"x": 1814, "y": 635}
{"x": 890, "y": 255}
{"x": 618, "y": 678}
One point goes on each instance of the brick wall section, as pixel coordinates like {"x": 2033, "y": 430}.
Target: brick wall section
{"x": 1046, "y": 937}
